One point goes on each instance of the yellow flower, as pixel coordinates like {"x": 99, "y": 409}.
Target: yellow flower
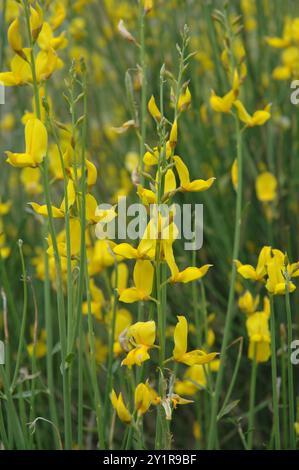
{"x": 143, "y": 278}
{"x": 184, "y": 100}
{"x": 266, "y": 187}
{"x": 173, "y": 138}
{"x": 142, "y": 398}
{"x": 14, "y": 36}
{"x": 224, "y": 104}
{"x": 180, "y": 353}
{"x": 101, "y": 351}
{"x": 248, "y": 303}
{"x": 121, "y": 409}
{"x": 39, "y": 349}
{"x": 58, "y": 14}
{"x": 148, "y": 6}
{"x": 36, "y": 20}
{"x": 8, "y": 122}
{"x": 259, "y": 336}
{"x": 234, "y": 174}
{"x": 122, "y": 322}
{"x": 36, "y": 139}
{"x": 57, "y": 212}
{"x": 190, "y": 274}
{"x": 185, "y": 184}
{"x": 5, "y": 207}
{"x": 96, "y": 303}
{"x": 47, "y": 40}
{"x": 145, "y": 250}
{"x": 142, "y": 336}
{"x": 194, "y": 380}
{"x": 259, "y": 118}
{"x": 20, "y": 72}
{"x": 153, "y": 109}
{"x": 256, "y": 274}
{"x": 276, "y": 283}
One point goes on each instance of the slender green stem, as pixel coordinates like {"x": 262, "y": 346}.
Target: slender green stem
{"x": 290, "y": 371}
{"x": 274, "y": 377}
{"x": 60, "y": 296}
{"x": 24, "y": 318}
{"x": 110, "y": 352}
{"x": 231, "y": 298}
{"x": 2, "y": 46}
{"x": 284, "y": 387}
{"x": 252, "y": 400}
{"x": 143, "y": 86}
{"x": 91, "y": 334}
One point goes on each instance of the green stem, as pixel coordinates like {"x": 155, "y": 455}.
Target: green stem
{"x": 143, "y": 87}
{"x": 231, "y": 298}
{"x": 274, "y": 377}
{"x": 284, "y": 389}
{"x": 290, "y": 371}
{"x": 252, "y": 400}
{"x": 60, "y": 297}
{"x": 24, "y": 318}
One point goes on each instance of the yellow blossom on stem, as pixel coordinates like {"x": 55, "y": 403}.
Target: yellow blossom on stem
{"x": 143, "y": 276}
{"x": 142, "y": 399}
{"x": 36, "y": 140}
{"x": 184, "y": 100}
{"x": 185, "y": 184}
{"x": 141, "y": 336}
{"x": 180, "y": 353}
{"x": 153, "y": 109}
{"x": 259, "y": 118}
{"x": 120, "y": 408}
{"x": 256, "y": 274}
{"x": 248, "y": 303}
{"x": 14, "y": 36}
{"x": 266, "y": 187}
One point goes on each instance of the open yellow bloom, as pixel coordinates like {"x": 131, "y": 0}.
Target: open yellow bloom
{"x": 121, "y": 409}
{"x": 192, "y": 273}
{"x": 57, "y": 212}
{"x": 224, "y": 104}
{"x": 259, "y": 118}
{"x": 47, "y": 40}
{"x": 145, "y": 250}
{"x": 185, "y": 184}
{"x": 36, "y": 140}
{"x": 141, "y": 336}
{"x": 276, "y": 283}
{"x": 143, "y": 278}
{"x": 256, "y": 274}
{"x": 266, "y": 187}
{"x": 180, "y": 353}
